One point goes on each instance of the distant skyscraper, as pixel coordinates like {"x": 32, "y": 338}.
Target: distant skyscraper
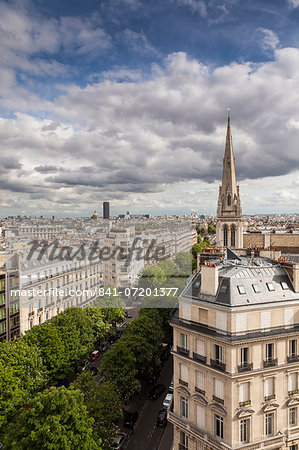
{"x": 229, "y": 227}
{"x": 106, "y": 210}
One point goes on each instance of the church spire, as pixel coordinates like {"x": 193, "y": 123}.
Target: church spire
{"x": 229, "y": 230}
{"x": 229, "y": 182}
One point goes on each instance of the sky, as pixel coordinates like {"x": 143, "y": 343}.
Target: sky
{"x": 126, "y": 101}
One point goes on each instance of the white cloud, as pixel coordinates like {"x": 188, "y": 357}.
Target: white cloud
{"x": 196, "y": 6}
{"x": 293, "y": 3}
{"x": 155, "y": 140}
{"x": 270, "y": 39}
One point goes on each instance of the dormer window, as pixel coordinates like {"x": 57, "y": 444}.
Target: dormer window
{"x": 241, "y": 289}
{"x": 256, "y": 288}
{"x": 270, "y": 287}
{"x": 284, "y": 285}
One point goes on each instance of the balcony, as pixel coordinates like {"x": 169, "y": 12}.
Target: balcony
{"x": 218, "y": 400}
{"x": 183, "y": 383}
{"x": 200, "y": 358}
{"x": 293, "y": 358}
{"x": 293, "y": 392}
{"x": 183, "y": 351}
{"x": 269, "y": 397}
{"x": 270, "y": 362}
{"x": 245, "y": 367}
{"x": 246, "y": 403}
{"x": 200, "y": 391}
{"x": 219, "y": 365}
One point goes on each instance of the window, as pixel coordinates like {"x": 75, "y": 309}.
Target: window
{"x": 233, "y": 236}
{"x": 200, "y": 381}
{"x": 244, "y": 393}
{"x": 221, "y": 323}
{"x": 201, "y": 416}
{"x": 269, "y": 388}
{"x": 219, "y": 353}
{"x": 203, "y": 315}
{"x": 289, "y": 316}
{"x": 244, "y": 430}
{"x": 294, "y": 447}
{"x": 219, "y": 426}
{"x": 256, "y": 288}
{"x": 293, "y": 347}
{"x": 229, "y": 199}
{"x": 270, "y": 286}
{"x": 241, "y": 289}
{"x": 269, "y": 352}
{"x": 292, "y": 417}
{"x": 223, "y": 289}
{"x": 241, "y": 322}
{"x": 184, "y": 407}
{"x": 197, "y": 284}
{"x": 225, "y": 235}
{"x": 269, "y": 424}
{"x": 284, "y": 285}
{"x": 184, "y": 341}
{"x": 184, "y": 440}
{"x": 292, "y": 382}
{"x": 200, "y": 347}
{"x": 265, "y": 319}
{"x": 184, "y": 374}
{"x": 244, "y": 355}
{"x": 219, "y": 389}
{"x": 186, "y": 311}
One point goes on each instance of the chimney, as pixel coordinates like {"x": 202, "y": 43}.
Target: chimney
{"x": 209, "y": 279}
{"x": 293, "y": 272}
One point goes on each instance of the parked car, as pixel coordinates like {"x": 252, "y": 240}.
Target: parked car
{"x": 83, "y": 367}
{"x": 104, "y": 347}
{"x": 162, "y": 418}
{"x": 119, "y": 441}
{"x": 128, "y": 314}
{"x": 130, "y": 418}
{"x": 94, "y": 355}
{"x": 167, "y": 401}
{"x": 156, "y": 391}
{"x": 171, "y": 387}
{"x": 94, "y": 370}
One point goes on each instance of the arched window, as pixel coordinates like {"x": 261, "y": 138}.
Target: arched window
{"x": 233, "y": 236}
{"x": 229, "y": 199}
{"x": 225, "y": 235}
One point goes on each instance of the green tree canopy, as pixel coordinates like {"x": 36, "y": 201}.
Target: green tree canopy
{"x": 55, "y": 419}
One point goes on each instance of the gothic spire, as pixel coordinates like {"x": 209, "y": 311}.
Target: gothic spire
{"x": 229, "y": 183}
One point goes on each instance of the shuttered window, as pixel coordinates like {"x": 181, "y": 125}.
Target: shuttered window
{"x": 241, "y": 322}
{"x": 244, "y": 392}
{"x": 200, "y": 347}
{"x": 201, "y": 416}
{"x": 292, "y": 381}
{"x": 186, "y": 311}
{"x": 221, "y": 323}
{"x": 219, "y": 389}
{"x": 200, "y": 380}
{"x": 289, "y": 316}
{"x": 184, "y": 373}
{"x": 269, "y": 386}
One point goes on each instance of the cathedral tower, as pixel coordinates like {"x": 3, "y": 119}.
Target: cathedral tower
{"x": 229, "y": 228}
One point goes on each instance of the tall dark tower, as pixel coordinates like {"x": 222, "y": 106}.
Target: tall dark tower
{"x": 229, "y": 227}
{"x": 106, "y": 210}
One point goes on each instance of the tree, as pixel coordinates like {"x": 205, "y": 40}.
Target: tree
{"x": 199, "y": 239}
{"x": 54, "y": 352}
{"x": 196, "y": 249}
{"x": 100, "y": 326}
{"x": 55, "y": 419}
{"x": 184, "y": 263}
{"x": 11, "y": 395}
{"x": 119, "y": 367}
{"x": 111, "y": 305}
{"x": 26, "y": 364}
{"x": 103, "y": 405}
{"x": 76, "y": 330}
{"x": 211, "y": 229}
{"x": 151, "y": 277}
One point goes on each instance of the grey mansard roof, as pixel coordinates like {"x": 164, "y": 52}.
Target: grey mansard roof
{"x": 241, "y": 274}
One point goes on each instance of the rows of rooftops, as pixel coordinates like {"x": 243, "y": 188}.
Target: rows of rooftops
{"x": 238, "y": 280}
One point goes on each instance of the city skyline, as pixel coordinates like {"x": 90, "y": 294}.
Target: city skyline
{"x": 117, "y": 102}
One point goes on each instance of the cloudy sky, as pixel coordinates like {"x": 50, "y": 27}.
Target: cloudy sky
{"x": 126, "y": 101}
